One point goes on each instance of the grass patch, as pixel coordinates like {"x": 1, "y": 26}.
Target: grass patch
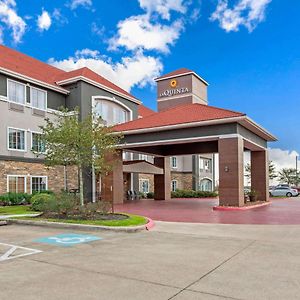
{"x": 133, "y": 220}
{"x": 15, "y": 210}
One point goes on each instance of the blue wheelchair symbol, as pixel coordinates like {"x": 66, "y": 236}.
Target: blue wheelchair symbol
{"x": 68, "y": 239}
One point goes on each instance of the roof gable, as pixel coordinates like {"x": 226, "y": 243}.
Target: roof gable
{"x": 189, "y": 113}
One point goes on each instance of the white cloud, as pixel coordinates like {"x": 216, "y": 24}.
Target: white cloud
{"x": 248, "y": 13}
{"x": 44, "y": 21}
{"x": 138, "y": 70}
{"x": 137, "y": 32}
{"x": 58, "y": 17}
{"x": 283, "y": 158}
{"x": 163, "y": 7}
{"x": 10, "y": 18}
{"x": 85, "y": 3}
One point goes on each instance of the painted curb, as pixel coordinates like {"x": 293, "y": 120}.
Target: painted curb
{"x": 128, "y": 229}
{"x": 233, "y": 208}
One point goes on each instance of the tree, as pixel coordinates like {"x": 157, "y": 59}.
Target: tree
{"x": 272, "y": 171}
{"x": 85, "y": 143}
{"x": 289, "y": 176}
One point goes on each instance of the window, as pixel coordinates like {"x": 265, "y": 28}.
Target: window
{"x": 38, "y": 98}
{"x": 174, "y": 185}
{"x": 144, "y": 185}
{"x": 101, "y": 110}
{"x": 39, "y": 183}
{"x": 16, "y": 139}
{"x": 206, "y": 185}
{"x": 143, "y": 157}
{"x": 205, "y": 165}
{"x": 37, "y": 143}
{"x": 16, "y": 184}
{"x": 119, "y": 115}
{"x": 174, "y": 162}
{"x": 16, "y": 92}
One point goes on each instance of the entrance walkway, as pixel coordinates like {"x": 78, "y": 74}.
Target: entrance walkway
{"x": 280, "y": 212}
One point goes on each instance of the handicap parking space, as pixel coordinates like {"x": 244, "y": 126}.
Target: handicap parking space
{"x": 68, "y": 239}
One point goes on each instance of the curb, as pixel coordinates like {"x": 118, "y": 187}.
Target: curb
{"x": 3, "y": 223}
{"x": 242, "y": 208}
{"x": 128, "y": 229}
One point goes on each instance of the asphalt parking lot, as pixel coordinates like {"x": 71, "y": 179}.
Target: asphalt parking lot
{"x": 173, "y": 261}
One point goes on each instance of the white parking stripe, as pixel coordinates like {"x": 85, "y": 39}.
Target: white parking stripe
{"x": 13, "y": 248}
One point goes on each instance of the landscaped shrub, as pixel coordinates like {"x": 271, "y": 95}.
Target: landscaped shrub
{"x": 192, "y": 194}
{"x": 15, "y": 199}
{"x": 150, "y": 195}
{"x": 44, "y": 192}
{"x": 43, "y": 202}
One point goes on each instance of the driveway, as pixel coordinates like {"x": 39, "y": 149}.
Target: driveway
{"x": 280, "y": 212}
{"x": 174, "y": 261}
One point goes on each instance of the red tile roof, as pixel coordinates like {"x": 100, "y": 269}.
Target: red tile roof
{"x": 23, "y": 64}
{"x": 18, "y": 62}
{"x": 175, "y": 73}
{"x": 182, "y": 114}
{"x": 89, "y": 74}
{"x": 144, "y": 111}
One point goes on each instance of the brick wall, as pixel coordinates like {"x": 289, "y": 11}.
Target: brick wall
{"x": 55, "y": 174}
{"x": 185, "y": 180}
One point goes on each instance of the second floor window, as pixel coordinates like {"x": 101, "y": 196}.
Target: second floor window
{"x": 16, "y": 92}
{"x": 38, "y": 144}
{"x": 16, "y": 139}
{"x": 38, "y": 99}
{"x": 174, "y": 162}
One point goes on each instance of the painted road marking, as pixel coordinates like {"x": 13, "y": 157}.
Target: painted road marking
{"x": 68, "y": 239}
{"x": 12, "y": 250}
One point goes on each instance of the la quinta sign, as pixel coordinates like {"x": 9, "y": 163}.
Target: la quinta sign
{"x": 174, "y": 90}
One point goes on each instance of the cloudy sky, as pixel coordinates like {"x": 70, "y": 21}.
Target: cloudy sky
{"x": 248, "y": 50}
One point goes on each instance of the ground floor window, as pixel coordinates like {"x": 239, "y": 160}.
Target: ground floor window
{"x": 144, "y": 185}
{"x": 39, "y": 183}
{"x": 206, "y": 185}
{"x": 16, "y": 184}
{"x": 174, "y": 185}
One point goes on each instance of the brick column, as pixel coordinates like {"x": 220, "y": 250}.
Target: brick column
{"x": 162, "y": 183}
{"x": 231, "y": 169}
{"x": 260, "y": 174}
{"x": 112, "y": 183}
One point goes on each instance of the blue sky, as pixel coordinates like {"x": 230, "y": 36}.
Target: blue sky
{"x": 248, "y": 50}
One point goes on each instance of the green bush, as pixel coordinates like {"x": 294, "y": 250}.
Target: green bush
{"x": 150, "y": 195}
{"x": 62, "y": 203}
{"x": 192, "y": 194}
{"x": 44, "y": 192}
{"x": 15, "y": 199}
{"x": 43, "y": 202}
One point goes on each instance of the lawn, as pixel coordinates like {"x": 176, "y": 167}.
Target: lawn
{"x": 15, "y": 210}
{"x": 133, "y": 220}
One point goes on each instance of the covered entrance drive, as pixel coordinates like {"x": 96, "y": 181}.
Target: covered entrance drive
{"x": 198, "y": 129}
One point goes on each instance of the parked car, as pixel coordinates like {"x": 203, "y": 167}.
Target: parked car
{"x": 284, "y": 191}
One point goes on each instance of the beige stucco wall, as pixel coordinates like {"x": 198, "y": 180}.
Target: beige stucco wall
{"x": 24, "y": 120}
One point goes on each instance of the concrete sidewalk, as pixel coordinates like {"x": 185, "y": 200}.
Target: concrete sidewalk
{"x": 173, "y": 261}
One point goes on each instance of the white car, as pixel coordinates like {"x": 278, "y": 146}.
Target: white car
{"x": 284, "y": 191}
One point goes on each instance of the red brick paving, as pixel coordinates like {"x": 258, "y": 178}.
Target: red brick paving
{"x": 281, "y": 211}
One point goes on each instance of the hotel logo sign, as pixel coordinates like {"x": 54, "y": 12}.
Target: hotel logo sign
{"x": 174, "y": 90}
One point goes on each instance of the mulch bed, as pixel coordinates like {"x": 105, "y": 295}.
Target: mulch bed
{"x": 97, "y": 216}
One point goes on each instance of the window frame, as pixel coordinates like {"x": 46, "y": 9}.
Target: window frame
{"x": 31, "y": 145}
{"x": 46, "y": 98}
{"x": 174, "y": 166}
{"x": 176, "y": 183}
{"x": 38, "y": 176}
{"x": 140, "y": 181}
{"x": 17, "y": 176}
{"x": 25, "y": 139}
{"x": 25, "y": 93}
